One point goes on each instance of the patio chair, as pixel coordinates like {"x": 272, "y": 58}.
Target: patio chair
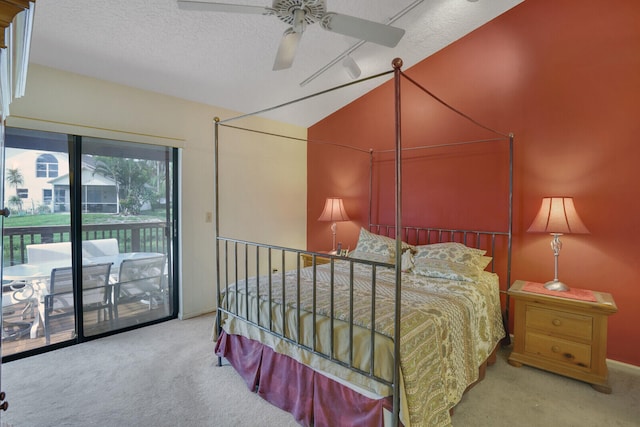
{"x": 140, "y": 280}
{"x": 100, "y": 248}
{"x": 96, "y": 294}
{"x": 17, "y": 310}
{"x": 40, "y": 253}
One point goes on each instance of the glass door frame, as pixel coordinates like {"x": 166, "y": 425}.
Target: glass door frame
{"x": 75, "y": 152}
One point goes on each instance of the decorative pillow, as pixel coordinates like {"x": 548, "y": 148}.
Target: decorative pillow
{"x": 451, "y": 251}
{"x": 374, "y": 244}
{"x": 407, "y": 258}
{"x": 450, "y": 260}
{"x": 445, "y": 269}
{"x": 407, "y": 261}
{"x": 369, "y": 256}
{"x": 369, "y": 243}
{"x": 483, "y": 261}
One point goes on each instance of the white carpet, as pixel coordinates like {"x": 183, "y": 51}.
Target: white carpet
{"x": 166, "y": 375}
{"x": 163, "y": 375}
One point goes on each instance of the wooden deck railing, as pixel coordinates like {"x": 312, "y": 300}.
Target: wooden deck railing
{"x": 132, "y": 237}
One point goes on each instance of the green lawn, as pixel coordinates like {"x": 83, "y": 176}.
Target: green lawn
{"x": 88, "y": 218}
{"x": 14, "y": 244}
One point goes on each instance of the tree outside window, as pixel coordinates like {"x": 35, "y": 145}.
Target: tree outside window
{"x": 135, "y": 181}
{"x": 14, "y": 178}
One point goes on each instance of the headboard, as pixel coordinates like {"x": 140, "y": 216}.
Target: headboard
{"x": 496, "y": 243}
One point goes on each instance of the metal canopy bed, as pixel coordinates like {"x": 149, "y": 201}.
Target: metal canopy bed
{"x": 319, "y": 341}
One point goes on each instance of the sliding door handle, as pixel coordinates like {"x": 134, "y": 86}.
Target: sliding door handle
{"x": 4, "y": 405}
{"x": 5, "y": 212}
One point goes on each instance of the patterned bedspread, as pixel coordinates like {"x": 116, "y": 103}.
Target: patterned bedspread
{"x": 447, "y": 330}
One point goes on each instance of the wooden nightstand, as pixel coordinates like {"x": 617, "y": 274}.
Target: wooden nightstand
{"x": 307, "y": 260}
{"x": 562, "y": 335}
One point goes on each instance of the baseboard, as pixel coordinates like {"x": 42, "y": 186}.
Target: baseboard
{"x": 626, "y": 366}
{"x": 185, "y": 316}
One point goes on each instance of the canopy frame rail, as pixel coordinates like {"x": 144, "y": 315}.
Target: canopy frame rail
{"x": 304, "y": 98}
{"x": 398, "y": 74}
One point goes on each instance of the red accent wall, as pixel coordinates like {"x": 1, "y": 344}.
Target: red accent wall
{"x": 565, "y": 79}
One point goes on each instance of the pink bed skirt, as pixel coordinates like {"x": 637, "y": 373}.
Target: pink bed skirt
{"x": 312, "y": 398}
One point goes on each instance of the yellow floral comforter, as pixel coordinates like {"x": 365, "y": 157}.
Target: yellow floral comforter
{"x": 447, "y": 330}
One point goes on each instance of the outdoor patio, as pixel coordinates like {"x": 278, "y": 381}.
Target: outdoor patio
{"x": 16, "y": 329}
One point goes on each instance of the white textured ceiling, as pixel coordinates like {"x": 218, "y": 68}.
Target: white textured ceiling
{"x": 225, "y": 59}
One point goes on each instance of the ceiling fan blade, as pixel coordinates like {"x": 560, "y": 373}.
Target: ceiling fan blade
{"x": 287, "y": 49}
{"x": 222, "y": 7}
{"x": 362, "y": 29}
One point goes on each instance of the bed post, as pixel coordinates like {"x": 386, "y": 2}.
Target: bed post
{"x": 397, "y": 63}
{"x": 510, "y": 238}
{"x": 217, "y": 224}
{"x": 370, "y": 187}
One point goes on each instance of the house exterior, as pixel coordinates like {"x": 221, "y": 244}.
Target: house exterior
{"x": 37, "y": 169}
{"x": 45, "y": 183}
{"x": 99, "y": 193}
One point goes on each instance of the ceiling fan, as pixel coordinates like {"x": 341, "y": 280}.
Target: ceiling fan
{"x": 299, "y": 14}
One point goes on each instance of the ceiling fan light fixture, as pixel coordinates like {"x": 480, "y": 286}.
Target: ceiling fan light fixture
{"x": 287, "y": 49}
{"x": 352, "y": 67}
{"x": 299, "y": 23}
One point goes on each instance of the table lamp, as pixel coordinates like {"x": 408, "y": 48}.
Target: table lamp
{"x": 557, "y": 216}
{"x": 333, "y": 211}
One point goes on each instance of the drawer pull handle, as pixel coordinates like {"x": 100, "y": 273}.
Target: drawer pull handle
{"x": 556, "y": 322}
{"x": 555, "y": 349}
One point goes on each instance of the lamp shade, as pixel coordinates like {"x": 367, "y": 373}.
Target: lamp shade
{"x": 557, "y": 215}
{"x": 333, "y": 210}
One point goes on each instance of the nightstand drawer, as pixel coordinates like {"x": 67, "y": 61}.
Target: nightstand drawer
{"x": 557, "y": 349}
{"x": 560, "y": 323}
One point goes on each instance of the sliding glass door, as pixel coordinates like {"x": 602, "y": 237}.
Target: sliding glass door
{"x": 127, "y": 221}
{"x": 36, "y": 239}
{"x": 88, "y": 249}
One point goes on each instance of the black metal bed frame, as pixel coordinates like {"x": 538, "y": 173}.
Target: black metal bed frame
{"x": 237, "y": 253}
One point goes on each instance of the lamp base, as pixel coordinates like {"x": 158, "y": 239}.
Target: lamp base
{"x": 556, "y": 285}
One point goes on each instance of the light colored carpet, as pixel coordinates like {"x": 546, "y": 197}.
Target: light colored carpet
{"x": 166, "y": 375}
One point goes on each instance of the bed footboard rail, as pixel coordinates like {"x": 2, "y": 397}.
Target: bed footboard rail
{"x": 269, "y": 288}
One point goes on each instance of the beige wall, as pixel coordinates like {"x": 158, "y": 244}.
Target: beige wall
{"x": 272, "y": 192}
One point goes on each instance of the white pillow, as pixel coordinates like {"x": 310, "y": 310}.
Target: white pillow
{"x": 375, "y": 247}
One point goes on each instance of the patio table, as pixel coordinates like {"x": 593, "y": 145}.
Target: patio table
{"x": 35, "y": 275}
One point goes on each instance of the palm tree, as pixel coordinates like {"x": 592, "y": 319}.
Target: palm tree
{"x": 15, "y": 178}
{"x": 16, "y": 202}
